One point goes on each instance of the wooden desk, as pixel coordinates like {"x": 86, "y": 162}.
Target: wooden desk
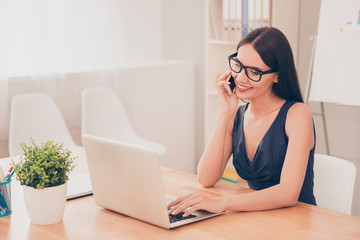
{"x": 83, "y": 219}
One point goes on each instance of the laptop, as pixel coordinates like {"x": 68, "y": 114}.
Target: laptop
{"x": 127, "y": 179}
{"x": 79, "y": 185}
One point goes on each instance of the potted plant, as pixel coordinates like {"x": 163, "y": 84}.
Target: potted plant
{"x": 43, "y": 171}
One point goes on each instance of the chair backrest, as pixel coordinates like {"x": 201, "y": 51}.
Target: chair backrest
{"x": 104, "y": 115}
{"x": 334, "y": 180}
{"x": 35, "y": 115}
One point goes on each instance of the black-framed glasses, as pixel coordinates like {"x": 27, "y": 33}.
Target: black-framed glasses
{"x": 254, "y": 74}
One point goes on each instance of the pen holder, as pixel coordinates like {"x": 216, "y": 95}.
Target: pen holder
{"x": 5, "y": 198}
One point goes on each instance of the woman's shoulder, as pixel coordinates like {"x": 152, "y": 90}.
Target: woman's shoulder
{"x": 299, "y": 109}
{"x": 299, "y": 116}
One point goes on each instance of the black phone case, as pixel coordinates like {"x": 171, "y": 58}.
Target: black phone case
{"x": 231, "y": 86}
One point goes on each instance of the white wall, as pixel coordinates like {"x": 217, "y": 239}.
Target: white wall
{"x": 184, "y": 38}
{"x": 142, "y": 83}
{"x": 342, "y": 122}
{"x": 141, "y": 31}
{"x": 289, "y": 10}
{"x": 162, "y": 106}
{"x": 142, "y": 28}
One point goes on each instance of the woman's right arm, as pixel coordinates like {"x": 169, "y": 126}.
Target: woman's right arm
{"x": 217, "y": 153}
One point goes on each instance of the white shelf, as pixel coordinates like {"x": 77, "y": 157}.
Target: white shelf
{"x": 221, "y": 42}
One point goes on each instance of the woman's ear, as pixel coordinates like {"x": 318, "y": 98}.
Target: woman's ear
{"x": 276, "y": 78}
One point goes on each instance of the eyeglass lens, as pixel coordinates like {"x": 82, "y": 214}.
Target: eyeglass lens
{"x": 251, "y": 73}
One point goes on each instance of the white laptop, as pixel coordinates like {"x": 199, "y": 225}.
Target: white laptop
{"x": 127, "y": 179}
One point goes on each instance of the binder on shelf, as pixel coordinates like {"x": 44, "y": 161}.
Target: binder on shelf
{"x": 230, "y": 20}
{"x": 245, "y": 18}
{"x": 258, "y": 13}
{"x": 226, "y": 22}
{"x": 266, "y": 12}
{"x": 238, "y": 20}
{"x": 215, "y": 20}
{"x": 251, "y": 14}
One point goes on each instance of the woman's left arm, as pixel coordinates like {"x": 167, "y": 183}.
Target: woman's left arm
{"x": 299, "y": 129}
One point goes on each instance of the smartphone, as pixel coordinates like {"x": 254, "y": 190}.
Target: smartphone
{"x": 230, "y": 88}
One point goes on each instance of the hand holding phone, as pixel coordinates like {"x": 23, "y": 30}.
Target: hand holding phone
{"x": 230, "y": 88}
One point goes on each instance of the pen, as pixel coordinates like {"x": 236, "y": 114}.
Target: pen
{"x": 9, "y": 172}
{"x": 9, "y": 175}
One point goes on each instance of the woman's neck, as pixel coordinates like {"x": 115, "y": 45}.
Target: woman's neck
{"x": 263, "y": 106}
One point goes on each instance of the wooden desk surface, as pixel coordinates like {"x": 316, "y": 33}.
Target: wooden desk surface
{"x": 83, "y": 219}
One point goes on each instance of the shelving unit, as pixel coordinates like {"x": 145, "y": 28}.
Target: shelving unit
{"x": 216, "y": 63}
{"x": 218, "y": 48}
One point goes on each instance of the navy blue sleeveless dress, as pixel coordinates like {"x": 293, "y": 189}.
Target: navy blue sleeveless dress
{"x": 265, "y": 169}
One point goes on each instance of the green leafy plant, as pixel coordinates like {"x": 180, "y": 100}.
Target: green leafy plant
{"x": 45, "y": 165}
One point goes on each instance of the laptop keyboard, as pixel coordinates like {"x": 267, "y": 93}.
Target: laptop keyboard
{"x": 179, "y": 217}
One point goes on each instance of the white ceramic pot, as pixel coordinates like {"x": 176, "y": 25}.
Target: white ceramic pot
{"x": 47, "y": 205}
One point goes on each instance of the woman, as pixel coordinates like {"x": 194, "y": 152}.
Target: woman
{"x": 272, "y": 137}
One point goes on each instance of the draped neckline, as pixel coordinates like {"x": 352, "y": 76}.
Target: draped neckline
{"x": 262, "y": 140}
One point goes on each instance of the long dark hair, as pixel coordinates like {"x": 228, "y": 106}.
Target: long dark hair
{"x": 275, "y": 51}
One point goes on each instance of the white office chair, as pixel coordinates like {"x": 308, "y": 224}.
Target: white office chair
{"x": 334, "y": 180}
{"x": 35, "y": 115}
{"x": 103, "y": 115}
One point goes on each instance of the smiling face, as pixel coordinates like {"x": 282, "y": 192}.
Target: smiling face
{"x": 245, "y": 88}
